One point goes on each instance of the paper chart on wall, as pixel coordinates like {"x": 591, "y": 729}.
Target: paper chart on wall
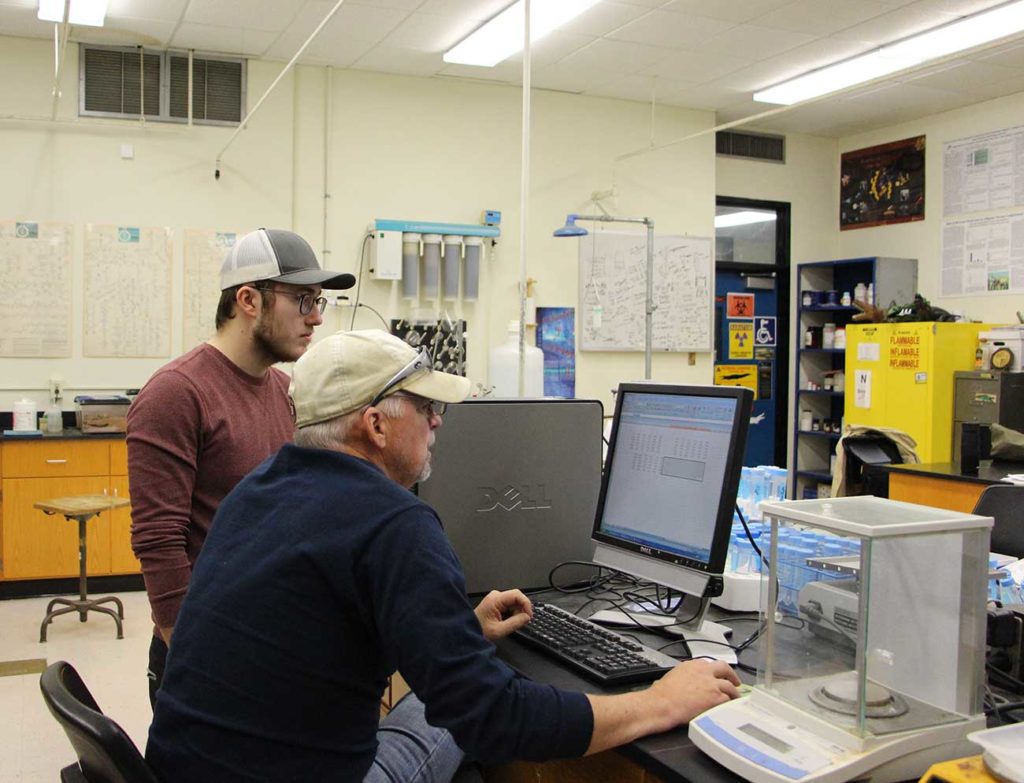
{"x": 127, "y": 292}
{"x": 983, "y": 255}
{"x": 36, "y": 289}
{"x": 984, "y": 172}
{"x": 204, "y": 253}
{"x": 612, "y": 296}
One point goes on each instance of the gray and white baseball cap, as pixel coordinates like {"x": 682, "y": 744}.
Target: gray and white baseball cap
{"x": 282, "y": 256}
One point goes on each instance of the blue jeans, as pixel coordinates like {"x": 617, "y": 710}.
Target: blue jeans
{"x": 410, "y": 750}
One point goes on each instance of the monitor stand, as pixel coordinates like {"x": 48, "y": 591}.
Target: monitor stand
{"x": 706, "y": 639}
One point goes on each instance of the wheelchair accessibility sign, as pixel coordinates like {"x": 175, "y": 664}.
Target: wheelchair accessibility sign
{"x": 764, "y": 332}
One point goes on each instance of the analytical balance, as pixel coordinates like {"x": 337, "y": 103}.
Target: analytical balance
{"x": 899, "y": 685}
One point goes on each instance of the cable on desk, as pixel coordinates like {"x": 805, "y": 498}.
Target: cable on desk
{"x": 1006, "y": 677}
{"x": 750, "y": 538}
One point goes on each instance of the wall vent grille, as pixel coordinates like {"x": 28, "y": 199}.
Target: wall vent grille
{"x": 753, "y": 146}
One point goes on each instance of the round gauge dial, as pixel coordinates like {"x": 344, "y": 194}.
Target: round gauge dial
{"x": 1001, "y": 358}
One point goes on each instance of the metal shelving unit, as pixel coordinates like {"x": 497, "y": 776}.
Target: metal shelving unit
{"x": 893, "y": 279}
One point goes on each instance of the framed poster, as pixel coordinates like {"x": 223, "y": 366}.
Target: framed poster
{"x": 882, "y": 185}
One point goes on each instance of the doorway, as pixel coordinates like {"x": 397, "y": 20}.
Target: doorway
{"x": 752, "y": 316}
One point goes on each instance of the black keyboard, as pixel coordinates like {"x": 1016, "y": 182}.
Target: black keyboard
{"x": 597, "y": 653}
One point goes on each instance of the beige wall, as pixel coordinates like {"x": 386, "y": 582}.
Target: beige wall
{"x": 922, "y": 239}
{"x": 397, "y": 147}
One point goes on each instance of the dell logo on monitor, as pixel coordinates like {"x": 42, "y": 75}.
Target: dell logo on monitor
{"x": 525, "y": 497}
{"x": 646, "y": 550}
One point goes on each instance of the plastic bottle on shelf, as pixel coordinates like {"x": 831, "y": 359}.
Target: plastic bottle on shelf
{"x": 860, "y": 292}
{"x": 504, "y": 367}
{"x": 871, "y": 293}
{"x": 54, "y": 417}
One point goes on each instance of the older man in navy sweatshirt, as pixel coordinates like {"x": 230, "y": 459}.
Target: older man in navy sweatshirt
{"x": 323, "y": 574}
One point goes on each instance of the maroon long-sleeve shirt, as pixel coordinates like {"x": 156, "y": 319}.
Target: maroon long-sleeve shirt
{"x": 196, "y": 428}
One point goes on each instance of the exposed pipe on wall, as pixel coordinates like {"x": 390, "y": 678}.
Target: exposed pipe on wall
{"x": 61, "y": 34}
{"x": 328, "y": 126}
{"x": 242, "y": 126}
{"x": 524, "y": 194}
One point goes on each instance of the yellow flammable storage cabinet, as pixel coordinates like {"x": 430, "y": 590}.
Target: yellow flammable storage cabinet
{"x": 900, "y": 375}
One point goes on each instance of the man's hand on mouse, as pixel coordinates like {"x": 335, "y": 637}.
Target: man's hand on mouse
{"x": 503, "y": 611}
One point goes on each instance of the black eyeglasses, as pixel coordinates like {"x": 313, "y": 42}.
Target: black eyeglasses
{"x": 306, "y": 301}
{"x": 422, "y": 361}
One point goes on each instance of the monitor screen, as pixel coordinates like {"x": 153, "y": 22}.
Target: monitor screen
{"x": 671, "y": 475}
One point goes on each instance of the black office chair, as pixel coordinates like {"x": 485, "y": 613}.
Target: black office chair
{"x": 1005, "y": 504}
{"x": 863, "y": 451}
{"x": 105, "y": 753}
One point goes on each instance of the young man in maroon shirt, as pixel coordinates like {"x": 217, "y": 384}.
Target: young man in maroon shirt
{"x": 207, "y": 418}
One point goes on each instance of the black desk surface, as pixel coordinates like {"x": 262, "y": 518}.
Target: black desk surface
{"x": 671, "y": 756}
{"x": 988, "y": 472}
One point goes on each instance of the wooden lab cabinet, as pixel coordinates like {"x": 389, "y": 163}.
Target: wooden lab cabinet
{"x": 35, "y": 545}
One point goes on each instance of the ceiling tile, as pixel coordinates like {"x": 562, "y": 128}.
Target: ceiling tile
{"x": 701, "y": 97}
{"x": 678, "y": 31}
{"x": 646, "y": 3}
{"x": 352, "y": 32}
{"x": 466, "y": 9}
{"x": 159, "y": 10}
{"x": 23, "y": 22}
{"x": 801, "y": 59}
{"x": 972, "y": 78}
{"x": 506, "y": 72}
{"x": 390, "y": 59}
{"x": 1010, "y": 55}
{"x": 552, "y": 48}
{"x": 429, "y": 32}
{"x": 606, "y": 17}
{"x": 259, "y": 14}
{"x": 895, "y": 25}
{"x": 569, "y": 78}
{"x": 605, "y": 56}
{"x": 753, "y": 42}
{"x": 405, "y": 5}
{"x": 694, "y": 68}
{"x": 821, "y": 17}
{"x": 122, "y": 31}
{"x": 744, "y": 11}
{"x": 957, "y": 7}
{"x": 638, "y": 88}
{"x": 227, "y": 40}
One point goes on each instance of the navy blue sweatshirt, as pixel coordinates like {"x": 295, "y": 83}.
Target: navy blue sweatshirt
{"x": 319, "y": 578}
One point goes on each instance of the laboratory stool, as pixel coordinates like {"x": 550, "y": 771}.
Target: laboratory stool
{"x": 82, "y": 508}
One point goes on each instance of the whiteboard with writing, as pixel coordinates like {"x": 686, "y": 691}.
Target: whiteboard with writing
{"x": 127, "y": 291}
{"x": 204, "y": 254}
{"x": 36, "y": 289}
{"x": 613, "y": 275}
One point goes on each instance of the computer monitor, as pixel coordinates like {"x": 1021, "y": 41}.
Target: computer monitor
{"x": 669, "y": 486}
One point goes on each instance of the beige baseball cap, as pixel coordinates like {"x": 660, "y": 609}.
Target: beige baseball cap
{"x": 349, "y": 370}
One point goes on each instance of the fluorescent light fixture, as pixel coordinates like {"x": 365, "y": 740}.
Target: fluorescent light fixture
{"x": 743, "y": 218}
{"x": 502, "y": 36}
{"x": 83, "y": 12}
{"x": 956, "y": 36}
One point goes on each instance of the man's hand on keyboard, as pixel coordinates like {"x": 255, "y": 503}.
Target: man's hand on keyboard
{"x": 503, "y": 611}
{"x": 694, "y": 686}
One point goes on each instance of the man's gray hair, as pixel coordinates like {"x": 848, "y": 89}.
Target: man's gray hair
{"x": 335, "y": 432}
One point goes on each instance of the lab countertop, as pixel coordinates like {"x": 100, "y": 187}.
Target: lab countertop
{"x": 989, "y": 472}
{"x": 68, "y": 433}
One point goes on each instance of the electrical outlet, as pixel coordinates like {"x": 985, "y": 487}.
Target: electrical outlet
{"x": 56, "y": 387}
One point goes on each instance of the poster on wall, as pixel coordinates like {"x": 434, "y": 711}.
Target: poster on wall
{"x": 882, "y": 185}
{"x": 556, "y": 337}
